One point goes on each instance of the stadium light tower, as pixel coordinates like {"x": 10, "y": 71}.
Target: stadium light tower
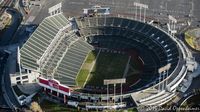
{"x": 114, "y": 82}
{"x": 56, "y": 9}
{"x": 168, "y": 66}
{"x": 141, "y": 6}
{"x": 172, "y": 25}
{"x": 162, "y": 71}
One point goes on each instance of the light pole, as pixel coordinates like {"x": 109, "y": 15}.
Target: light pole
{"x": 114, "y": 82}
{"x": 107, "y": 93}
{"x": 172, "y": 25}
{"x": 114, "y": 93}
{"x": 144, "y": 15}
{"x": 141, "y": 6}
{"x": 135, "y": 13}
{"x": 55, "y": 9}
{"x": 121, "y": 93}
{"x": 162, "y": 71}
{"x": 167, "y": 67}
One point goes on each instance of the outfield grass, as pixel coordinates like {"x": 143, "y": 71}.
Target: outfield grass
{"x": 107, "y": 66}
{"x": 85, "y": 69}
{"x": 91, "y": 57}
{"x": 82, "y": 77}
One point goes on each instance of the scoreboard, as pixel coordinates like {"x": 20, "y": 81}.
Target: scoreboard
{"x": 96, "y": 10}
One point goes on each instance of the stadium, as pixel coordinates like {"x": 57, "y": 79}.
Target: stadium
{"x": 72, "y": 57}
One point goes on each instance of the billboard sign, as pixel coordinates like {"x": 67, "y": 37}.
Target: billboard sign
{"x": 54, "y": 85}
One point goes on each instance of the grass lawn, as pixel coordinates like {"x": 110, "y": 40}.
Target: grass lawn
{"x": 107, "y": 66}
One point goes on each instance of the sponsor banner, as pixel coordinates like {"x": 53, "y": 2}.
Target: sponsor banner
{"x": 55, "y": 85}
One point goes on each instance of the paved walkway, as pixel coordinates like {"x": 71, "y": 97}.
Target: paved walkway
{"x": 29, "y": 88}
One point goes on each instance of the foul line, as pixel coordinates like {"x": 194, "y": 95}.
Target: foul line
{"x": 127, "y": 67}
{"x": 93, "y": 63}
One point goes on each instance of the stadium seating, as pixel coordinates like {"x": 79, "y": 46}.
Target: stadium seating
{"x": 58, "y": 53}
{"x": 72, "y": 61}
{"x": 157, "y": 99}
{"x": 157, "y": 49}
{"x": 68, "y": 51}
{"x": 55, "y": 50}
{"x": 40, "y": 40}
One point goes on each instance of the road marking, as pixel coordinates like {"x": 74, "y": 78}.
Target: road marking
{"x": 77, "y": 3}
{"x": 30, "y": 19}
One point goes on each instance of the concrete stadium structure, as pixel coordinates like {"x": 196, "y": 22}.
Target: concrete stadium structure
{"x": 57, "y": 49}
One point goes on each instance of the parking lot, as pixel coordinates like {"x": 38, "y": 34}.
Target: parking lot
{"x": 182, "y": 10}
{"x": 158, "y": 9}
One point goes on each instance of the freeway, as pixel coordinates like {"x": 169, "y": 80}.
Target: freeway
{"x": 9, "y": 32}
{"x": 6, "y": 3}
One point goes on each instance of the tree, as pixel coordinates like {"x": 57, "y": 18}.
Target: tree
{"x": 35, "y": 107}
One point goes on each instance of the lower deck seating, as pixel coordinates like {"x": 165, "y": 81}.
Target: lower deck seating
{"x": 72, "y": 61}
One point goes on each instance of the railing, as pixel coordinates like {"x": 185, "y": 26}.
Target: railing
{"x": 51, "y": 46}
{"x": 174, "y": 72}
{"x": 152, "y": 96}
{"x": 114, "y": 106}
{"x": 63, "y": 56}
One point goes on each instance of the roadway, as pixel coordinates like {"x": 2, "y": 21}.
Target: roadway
{"x": 5, "y": 3}
{"x": 9, "y": 96}
{"x": 9, "y": 32}
{"x": 35, "y": 12}
{"x": 9, "y": 89}
{"x": 195, "y": 85}
{"x": 157, "y": 9}
{"x": 195, "y": 13}
{"x": 3, "y": 58}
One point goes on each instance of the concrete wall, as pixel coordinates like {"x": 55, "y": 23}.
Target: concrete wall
{"x": 27, "y": 77}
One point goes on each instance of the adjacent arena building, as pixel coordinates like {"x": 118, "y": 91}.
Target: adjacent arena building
{"x": 58, "y": 55}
